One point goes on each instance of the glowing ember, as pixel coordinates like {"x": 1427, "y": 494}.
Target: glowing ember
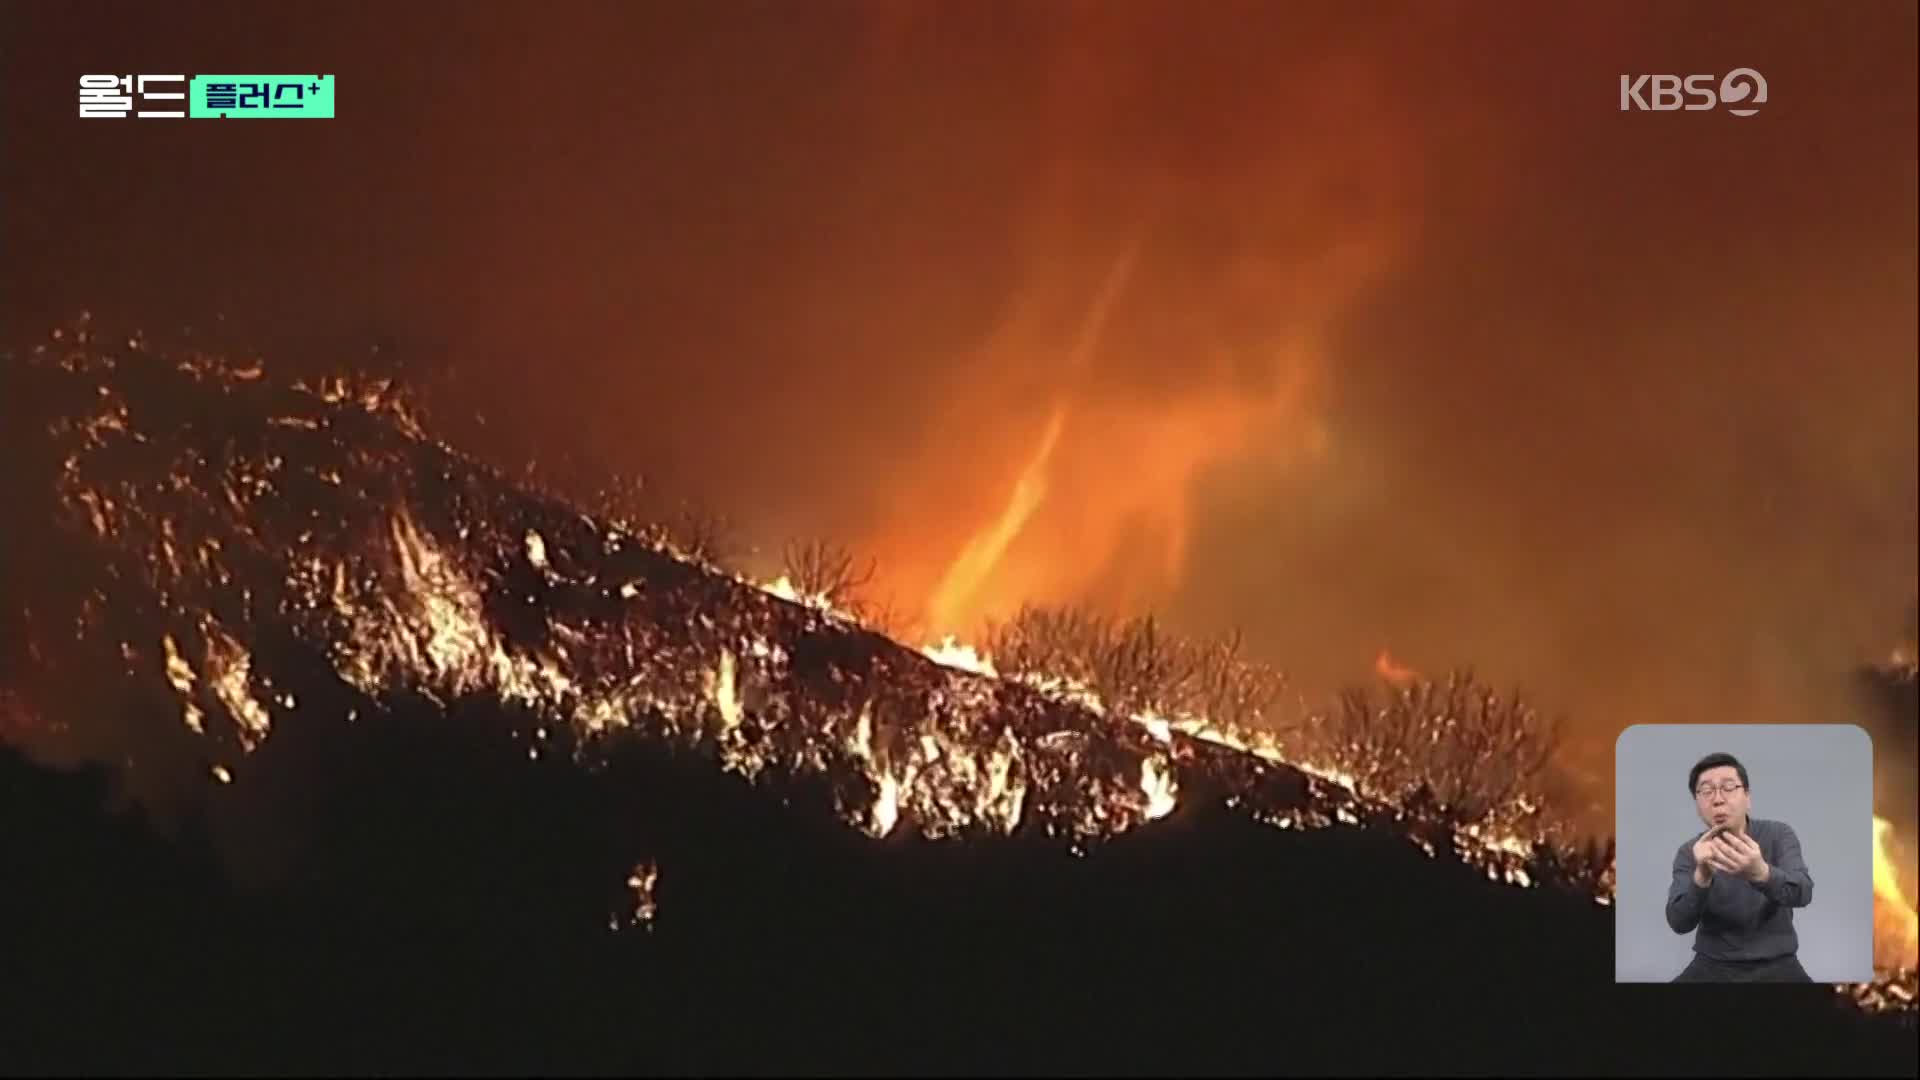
{"x": 640, "y": 883}
{"x": 180, "y": 675}
{"x": 229, "y": 671}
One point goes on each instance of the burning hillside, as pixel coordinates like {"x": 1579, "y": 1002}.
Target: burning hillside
{"x": 254, "y": 552}
{"x": 222, "y": 510}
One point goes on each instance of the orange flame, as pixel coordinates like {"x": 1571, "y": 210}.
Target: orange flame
{"x": 982, "y": 553}
{"x": 1896, "y": 926}
{"x": 1384, "y": 666}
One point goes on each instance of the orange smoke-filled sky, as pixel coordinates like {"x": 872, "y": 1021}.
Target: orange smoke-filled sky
{"x": 1358, "y": 328}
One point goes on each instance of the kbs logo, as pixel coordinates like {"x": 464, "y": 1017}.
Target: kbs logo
{"x": 1669, "y": 93}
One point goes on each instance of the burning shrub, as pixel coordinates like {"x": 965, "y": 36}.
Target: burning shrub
{"x": 1233, "y": 690}
{"x": 693, "y": 529}
{"x": 702, "y": 533}
{"x": 1135, "y": 666}
{"x": 1480, "y": 754}
{"x": 826, "y": 571}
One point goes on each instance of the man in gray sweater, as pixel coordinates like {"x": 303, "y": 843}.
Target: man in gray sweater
{"x": 1737, "y": 883}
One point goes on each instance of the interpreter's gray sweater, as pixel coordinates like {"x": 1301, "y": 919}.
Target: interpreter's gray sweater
{"x": 1736, "y": 918}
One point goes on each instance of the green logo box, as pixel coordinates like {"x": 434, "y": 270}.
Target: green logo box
{"x": 260, "y": 97}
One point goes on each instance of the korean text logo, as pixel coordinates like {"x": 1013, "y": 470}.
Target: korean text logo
{"x": 207, "y": 97}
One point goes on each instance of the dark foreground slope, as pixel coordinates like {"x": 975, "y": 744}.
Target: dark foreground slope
{"x": 444, "y": 904}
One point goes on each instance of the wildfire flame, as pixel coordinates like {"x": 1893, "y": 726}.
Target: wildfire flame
{"x": 331, "y": 522}
{"x": 1896, "y": 926}
{"x": 983, "y": 552}
{"x": 1395, "y": 674}
{"x": 952, "y": 653}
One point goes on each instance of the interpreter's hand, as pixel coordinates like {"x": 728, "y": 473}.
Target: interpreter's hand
{"x": 1704, "y": 853}
{"x": 1735, "y": 853}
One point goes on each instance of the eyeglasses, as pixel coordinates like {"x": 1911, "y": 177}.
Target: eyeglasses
{"x": 1705, "y": 791}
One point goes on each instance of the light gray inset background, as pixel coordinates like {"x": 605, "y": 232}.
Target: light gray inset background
{"x": 1817, "y": 778}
